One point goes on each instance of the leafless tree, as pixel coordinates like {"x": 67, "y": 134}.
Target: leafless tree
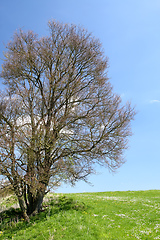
{"x": 58, "y": 113}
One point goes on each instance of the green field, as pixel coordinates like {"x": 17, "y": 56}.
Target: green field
{"x": 86, "y": 216}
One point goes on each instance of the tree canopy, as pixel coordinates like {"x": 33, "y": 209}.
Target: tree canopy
{"x": 58, "y": 113}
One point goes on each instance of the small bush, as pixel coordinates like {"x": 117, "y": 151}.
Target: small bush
{"x": 66, "y": 203}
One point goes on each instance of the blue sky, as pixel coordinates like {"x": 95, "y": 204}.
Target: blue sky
{"x": 129, "y": 31}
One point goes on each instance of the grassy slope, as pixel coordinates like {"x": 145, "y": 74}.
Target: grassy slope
{"x": 108, "y": 215}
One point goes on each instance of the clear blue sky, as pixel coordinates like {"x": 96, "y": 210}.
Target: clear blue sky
{"x": 130, "y": 34}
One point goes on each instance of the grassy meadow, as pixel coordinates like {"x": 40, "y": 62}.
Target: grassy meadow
{"x": 85, "y": 216}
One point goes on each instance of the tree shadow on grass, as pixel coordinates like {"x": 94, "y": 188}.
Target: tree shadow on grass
{"x": 9, "y": 215}
{"x": 11, "y": 220}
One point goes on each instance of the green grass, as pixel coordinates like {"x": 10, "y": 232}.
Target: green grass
{"x": 87, "y": 216}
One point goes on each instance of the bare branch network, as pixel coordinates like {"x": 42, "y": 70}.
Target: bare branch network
{"x": 58, "y": 114}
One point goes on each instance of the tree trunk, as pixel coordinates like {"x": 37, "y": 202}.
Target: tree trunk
{"x": 23, "y": 208}
{"x": 35, "y": 202}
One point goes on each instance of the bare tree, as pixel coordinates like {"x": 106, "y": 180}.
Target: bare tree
{"x": 58, "y": 114}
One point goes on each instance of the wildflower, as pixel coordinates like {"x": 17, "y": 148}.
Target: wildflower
{"x": 1, "y": 233}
